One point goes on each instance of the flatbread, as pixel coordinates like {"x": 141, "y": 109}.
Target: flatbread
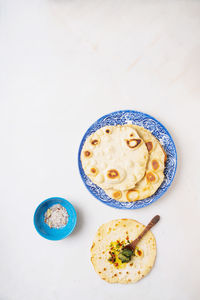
{"x": 114, "y": 156}
{"x": 154, "y": 175}
{"x": 119, "y": 230}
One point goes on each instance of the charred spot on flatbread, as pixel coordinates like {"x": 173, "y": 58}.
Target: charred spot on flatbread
{"x": 95, "y": 142}
{"x": 112, "y": 174}
{"x": 87, "y": 153}
{"x": 138, "y": 252}
{"x": 149, "y": 146}
{"x": 93, "y": 245}
{"x": 133, "y": 143}
{"x": 108, "y": 131}
{"x": 150, "y": 177}
{"x": 117, "y": 195}
{"x": 132, "y": 195}
{"x": 94, "y": 171}
{"x": 155, "y": 164}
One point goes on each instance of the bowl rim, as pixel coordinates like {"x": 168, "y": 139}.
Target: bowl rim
{"x": 71, "y": 229}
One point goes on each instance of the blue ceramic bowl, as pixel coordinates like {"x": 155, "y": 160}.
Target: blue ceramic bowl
{"x": 54, "y": 234}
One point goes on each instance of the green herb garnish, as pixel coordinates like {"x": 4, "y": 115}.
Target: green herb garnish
{"x": 124, "y": 258}
{"x": 125, "y": 255}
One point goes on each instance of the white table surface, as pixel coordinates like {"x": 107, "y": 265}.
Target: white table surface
{"x": 63, "y": 64}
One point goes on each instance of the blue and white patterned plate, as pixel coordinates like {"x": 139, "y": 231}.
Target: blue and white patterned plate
{"x": 158, "y": 130}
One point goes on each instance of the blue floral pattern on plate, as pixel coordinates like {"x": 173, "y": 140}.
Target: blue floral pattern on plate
{"x": 158, "y": 130}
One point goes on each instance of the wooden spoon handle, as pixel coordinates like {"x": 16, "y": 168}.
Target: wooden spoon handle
{"x": 147, "y": 228}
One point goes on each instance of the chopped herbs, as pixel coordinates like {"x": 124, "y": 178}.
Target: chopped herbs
{"x": 119, "y": 254}
{"x": 124, "y": 258}
{"x": 125, "y": 255}
{"x": 127, "y": 252}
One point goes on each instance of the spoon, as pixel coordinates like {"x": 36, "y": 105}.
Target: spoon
{"x": 128, "y": 250}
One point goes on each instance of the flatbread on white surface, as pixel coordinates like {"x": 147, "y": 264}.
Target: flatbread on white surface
{"x": 115, "y": 157}
{"x": 119, "y": 230}
{"x": 154, "y": 175}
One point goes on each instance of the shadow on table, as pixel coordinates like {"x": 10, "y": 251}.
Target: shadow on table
{"x": 79, "y": 223}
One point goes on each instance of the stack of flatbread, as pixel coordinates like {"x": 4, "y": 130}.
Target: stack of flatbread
{"x": 126, "y": 161}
